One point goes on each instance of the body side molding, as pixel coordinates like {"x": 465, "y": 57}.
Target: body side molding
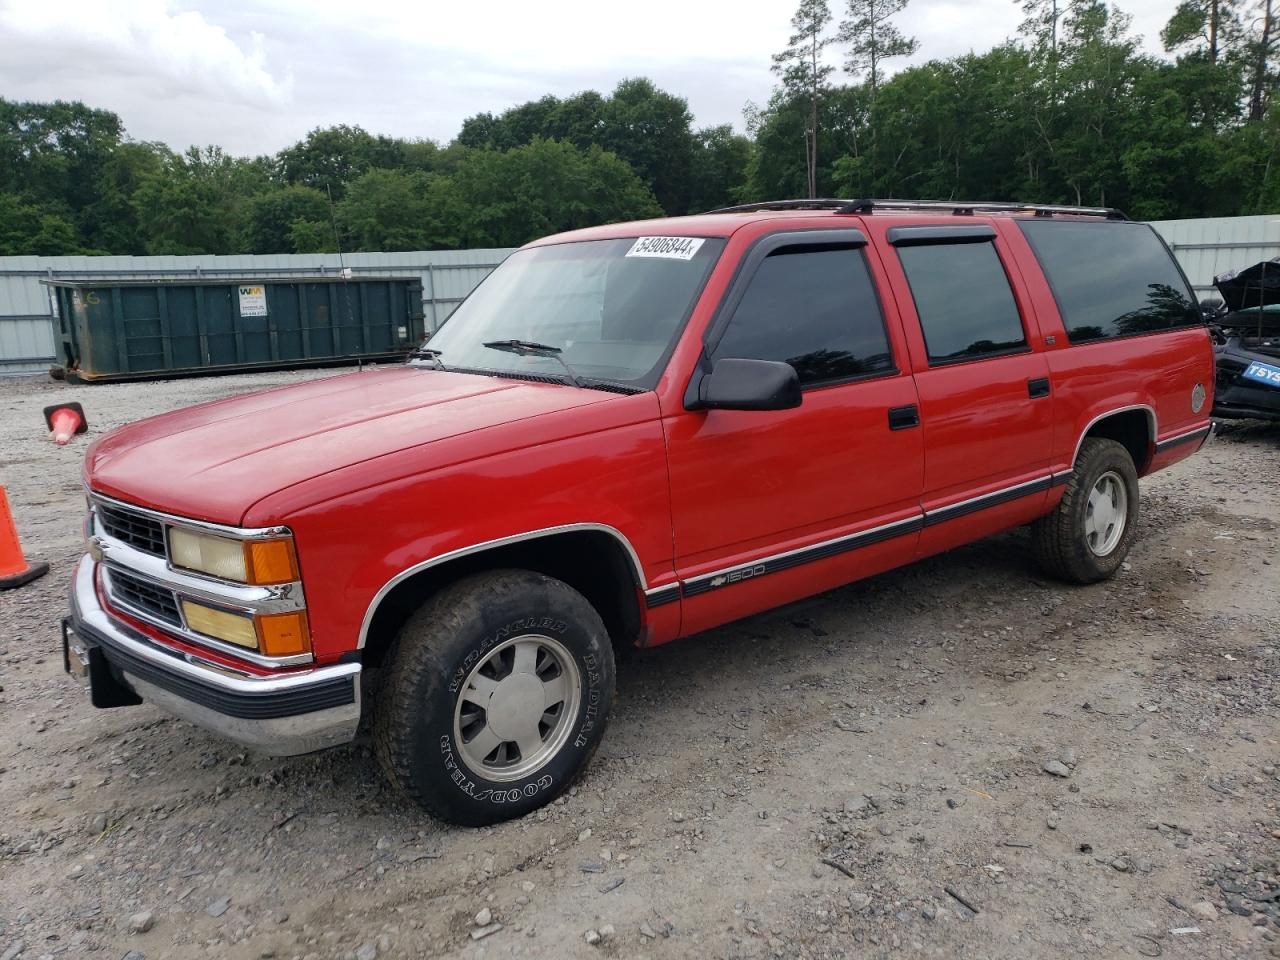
{"x": 1189, "y": 436}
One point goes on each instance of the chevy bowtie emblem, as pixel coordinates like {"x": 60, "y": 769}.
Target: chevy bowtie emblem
{"x": 719, "y": 581}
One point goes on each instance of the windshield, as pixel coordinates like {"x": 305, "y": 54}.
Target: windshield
{"x": 609, "y": 309}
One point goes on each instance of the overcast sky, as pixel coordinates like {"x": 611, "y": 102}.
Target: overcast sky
{"x": 254, "y": 77}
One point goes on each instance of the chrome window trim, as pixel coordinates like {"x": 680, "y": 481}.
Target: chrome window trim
{"x": 184, "y": 631}
{"x": 386, "y": 588}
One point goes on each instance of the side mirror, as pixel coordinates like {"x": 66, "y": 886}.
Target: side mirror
{"x": 736, "y": 384}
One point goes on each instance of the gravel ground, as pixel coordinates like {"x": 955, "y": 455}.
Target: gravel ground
{"x": 957, "y": 759}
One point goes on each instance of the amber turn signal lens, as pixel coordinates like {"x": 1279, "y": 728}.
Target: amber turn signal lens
{"x": 271, "y": 561}
{"x": 283, "y": 634}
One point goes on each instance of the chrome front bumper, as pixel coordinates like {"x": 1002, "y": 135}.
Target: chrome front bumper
{"x": 282, "y": 715}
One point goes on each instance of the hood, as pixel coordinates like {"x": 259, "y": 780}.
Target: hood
{"x": 214, "y": 461}
{"x": 1255, "y": 286}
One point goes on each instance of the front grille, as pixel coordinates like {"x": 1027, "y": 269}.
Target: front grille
{"x": 137, "y": 530}
{"x": 141, "y": 595}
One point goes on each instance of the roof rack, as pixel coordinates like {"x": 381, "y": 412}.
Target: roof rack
{"x": 821, "y": 203}
{"x": 956, "y": 207}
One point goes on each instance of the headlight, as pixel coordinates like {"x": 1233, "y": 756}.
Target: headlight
{"x": 244, "y": 561}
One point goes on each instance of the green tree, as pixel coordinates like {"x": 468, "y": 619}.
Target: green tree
{"x": 1203, "y": 27}
{"x": 390, "y": 210}
{"x": 507, "y": 198}
{"x": 50, "y": 152}
{"x": 648, "y": 128}
{"x": 110, "y": 222}
{"x": 1261, "y": 46}
{"x": 312, "y": 236}
{"x": 776, "y": 169}
{"x": 270, "y": 217}
{"x": 19, "y": 223}
{"x": 872, "y": 39}
{"x": 330, "y": 158}
{"x": 803, "y": 73}
{"x": 55, "y": 237}
{"x": 194, "y": 201}
{"x": 719, "y": 168}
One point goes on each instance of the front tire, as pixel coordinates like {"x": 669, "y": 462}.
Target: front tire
{"x": 1089, "y": 533}
{"x": 496, "y": 696}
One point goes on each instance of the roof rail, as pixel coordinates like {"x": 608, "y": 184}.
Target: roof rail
{"x": 821, "y": 203}
{"x": 955, "y": 207}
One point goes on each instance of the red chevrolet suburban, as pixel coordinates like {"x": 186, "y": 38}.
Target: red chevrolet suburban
{"x": 626, "y": 435}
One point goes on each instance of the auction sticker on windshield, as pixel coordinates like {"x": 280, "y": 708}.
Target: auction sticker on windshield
{"x": 666, "y": 248}
{"x": 1263, "y": 373}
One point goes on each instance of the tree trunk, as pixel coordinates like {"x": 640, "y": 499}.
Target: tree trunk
{"x": 813, "y": 123}
{"x": 1257, "y": 100}
{"x": 873, "y": 53}
{"x": 1213, "y": 32}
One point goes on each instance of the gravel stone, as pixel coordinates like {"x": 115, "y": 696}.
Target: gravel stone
{"x": 141, "y": 922}
{"x": 1205, "y": 910}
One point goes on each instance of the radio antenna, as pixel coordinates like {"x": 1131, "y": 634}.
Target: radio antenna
{"x": 342, "y": 266}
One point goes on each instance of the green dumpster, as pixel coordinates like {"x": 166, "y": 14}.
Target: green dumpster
{"x": 160, "y": 328}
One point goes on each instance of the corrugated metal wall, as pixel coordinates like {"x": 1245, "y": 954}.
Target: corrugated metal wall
{"x": 1207, "y": 248}
{"x": 26, "y": 314}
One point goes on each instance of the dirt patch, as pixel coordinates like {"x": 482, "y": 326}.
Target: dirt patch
{"x": 845, "y": 777}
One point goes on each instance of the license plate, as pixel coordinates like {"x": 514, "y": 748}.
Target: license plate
{"x": 1263, "y": 373}
{"x": 75, "y": 654}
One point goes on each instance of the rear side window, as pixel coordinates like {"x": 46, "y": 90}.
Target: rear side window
{"x": 1110, "y": 279}
{"x": 964, "y": 301}
{"x": 814, "y": 308}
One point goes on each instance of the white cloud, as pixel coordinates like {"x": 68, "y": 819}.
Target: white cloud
{"x": 141, "y": 58}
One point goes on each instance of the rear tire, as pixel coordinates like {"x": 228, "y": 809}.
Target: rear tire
{"x": 1089, "y": 533}
{"x": 496, "y": 695}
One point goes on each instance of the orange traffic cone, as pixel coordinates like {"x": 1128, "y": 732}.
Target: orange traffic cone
{"x": 14, "y": 570}
{"x": 65, "y": 420}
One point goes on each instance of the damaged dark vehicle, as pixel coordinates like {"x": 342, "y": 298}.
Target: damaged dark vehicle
{"x": 1246, "y": 334}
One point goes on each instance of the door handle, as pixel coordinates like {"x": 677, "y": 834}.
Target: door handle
{"x": 1039, "y": 387}
{"x": 904, "y": 418}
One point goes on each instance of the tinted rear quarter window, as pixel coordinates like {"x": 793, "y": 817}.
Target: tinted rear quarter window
{"x": 814, "y": 308}
{"x": 963, "y": 299}
{"x": 1111, "y": 279}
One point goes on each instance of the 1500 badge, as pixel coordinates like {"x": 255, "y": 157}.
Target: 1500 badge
{"x": 746, "y": 573}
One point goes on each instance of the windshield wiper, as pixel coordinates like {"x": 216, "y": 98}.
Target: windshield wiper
{"x": 427, "y": 353}
{"x": 529, "y": 348}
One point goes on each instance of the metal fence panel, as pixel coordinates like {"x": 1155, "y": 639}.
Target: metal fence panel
{"x": 26, "y": 344}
